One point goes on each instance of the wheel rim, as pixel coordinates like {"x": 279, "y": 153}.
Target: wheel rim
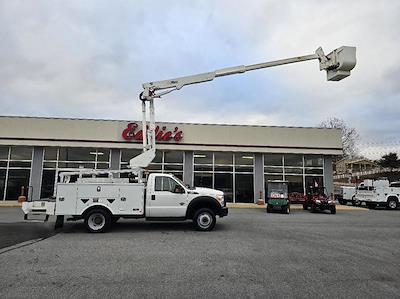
{"x": 392, "y": 204}
{"x": 204, "y": 220}
{"x": 96, "y": 221}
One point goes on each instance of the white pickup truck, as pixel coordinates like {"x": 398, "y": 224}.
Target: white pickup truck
{"x": 102, "y": 201}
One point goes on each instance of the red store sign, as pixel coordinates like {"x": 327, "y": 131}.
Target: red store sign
{"x": 162, "y": 134}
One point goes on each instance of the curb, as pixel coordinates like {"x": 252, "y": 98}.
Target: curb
{"x": 10, "y": 204}
{"x": 293, "y": 207}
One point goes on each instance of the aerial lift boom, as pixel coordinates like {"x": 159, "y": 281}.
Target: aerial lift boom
{"x": 337, "y": 64}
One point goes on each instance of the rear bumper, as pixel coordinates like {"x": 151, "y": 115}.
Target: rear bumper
{"x": 223, "y": 212}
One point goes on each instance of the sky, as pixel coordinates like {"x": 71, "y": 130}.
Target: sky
{"x": 88, "y": 59}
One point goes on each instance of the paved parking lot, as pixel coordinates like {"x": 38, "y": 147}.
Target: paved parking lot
{"x": 250, "y": 254}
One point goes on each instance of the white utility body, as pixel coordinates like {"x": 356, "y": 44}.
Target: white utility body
{"x": 378, "y": 193}
{"x": 101, "y": 201}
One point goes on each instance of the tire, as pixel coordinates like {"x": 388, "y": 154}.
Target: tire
{"x": 355, "y": 201}
{"x": 371, "y": 206}
{"x": 342, "y": 202}
{"x": 204, "y": 219}
{"x": 392, "y": 203}
{"x": 97, "y": 221}
{"x": 333, "y": 210}
{"x": 286, "y": 209}
{"x": 269, "y": 210}
{"x": 305, "y": 207}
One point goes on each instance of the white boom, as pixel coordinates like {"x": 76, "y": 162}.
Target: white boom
{"x": 337, "y": 64}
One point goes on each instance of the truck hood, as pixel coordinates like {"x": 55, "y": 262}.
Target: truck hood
{"x": 208, "y": 191}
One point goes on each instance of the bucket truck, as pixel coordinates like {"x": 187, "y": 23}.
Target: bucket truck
{"x": 100, "y": 201}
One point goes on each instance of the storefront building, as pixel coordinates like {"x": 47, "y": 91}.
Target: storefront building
{"x": 237, "y": 159}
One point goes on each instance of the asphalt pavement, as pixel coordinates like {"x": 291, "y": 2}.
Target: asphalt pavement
{"x": 250, "y": 254}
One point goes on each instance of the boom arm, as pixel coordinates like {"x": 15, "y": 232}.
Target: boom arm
{"x": 337, "y": 64}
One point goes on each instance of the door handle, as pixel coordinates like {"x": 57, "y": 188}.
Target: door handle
{"x": 153, "y": 197}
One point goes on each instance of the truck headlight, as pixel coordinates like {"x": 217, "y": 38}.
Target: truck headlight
{"x": 318, "y": 201}
{"x": 220, "y": 199}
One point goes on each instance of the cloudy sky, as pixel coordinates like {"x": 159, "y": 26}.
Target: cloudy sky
{"x": 88, "y": 59}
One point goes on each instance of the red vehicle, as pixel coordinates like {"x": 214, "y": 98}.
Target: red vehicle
{"x": 317, "y": 199}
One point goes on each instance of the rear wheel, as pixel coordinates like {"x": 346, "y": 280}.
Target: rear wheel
{"x": 392, "y": 203}
{"x": 305, "y": 207}
{"x": 355, "y": 201}
{"x": 97, "y": 221}
{"x": 333, "y": 210}
{"x": 269, "y": 210}
{"x": 204, "y": 219}
{"x": 59, "y": 222}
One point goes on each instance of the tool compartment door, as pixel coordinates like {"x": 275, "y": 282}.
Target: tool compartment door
{"x": 94, "y": 194}
{"x": 131, "y": 199}
{"x": 66, "y": 199}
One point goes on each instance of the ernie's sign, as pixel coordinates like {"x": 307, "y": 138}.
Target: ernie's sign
{"x": 162, "y": 134}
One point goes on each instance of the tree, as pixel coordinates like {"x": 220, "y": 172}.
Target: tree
{"x": 349, "y": 136}
{"x": 390, "y": 160}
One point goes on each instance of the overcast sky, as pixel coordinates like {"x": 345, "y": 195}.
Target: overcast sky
{"x": 88, "y": 59}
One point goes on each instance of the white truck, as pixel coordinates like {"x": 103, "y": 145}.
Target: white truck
{"x": 102, "y": 200}
{"x": 378, "y": 193}
{"x": 347, "y": 195}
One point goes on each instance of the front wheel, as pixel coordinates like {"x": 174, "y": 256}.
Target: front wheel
{"x": 392, "y": 203}
{"x": 204, "y": 219}
{"x": 286, "y": 209}
{"x": 97, "y": 221}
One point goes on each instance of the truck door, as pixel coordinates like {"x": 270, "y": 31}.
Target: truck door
{"x": 168, "y": 199}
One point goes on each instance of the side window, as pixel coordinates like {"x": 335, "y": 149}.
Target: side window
{"x": 169, "y": 184}
{"x": 158, "y": 183}
{"x": 166, "y": 184}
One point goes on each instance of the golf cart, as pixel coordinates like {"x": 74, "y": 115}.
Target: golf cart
{"x": 278, "y": 197}
{"x": 317, "y": 199}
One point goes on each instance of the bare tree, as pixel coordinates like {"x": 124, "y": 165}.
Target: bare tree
{"x": 349, "y": 136}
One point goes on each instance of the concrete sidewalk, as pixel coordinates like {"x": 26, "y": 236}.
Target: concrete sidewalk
{"x": 15, "y": 204}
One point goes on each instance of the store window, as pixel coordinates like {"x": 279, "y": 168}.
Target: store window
{"x": 70, "y": 158}
{"x": 2, "y": 182}
{"x": 15, "y": 169}
{"x": 17, "y": 182}
{"x": 164, "y": 161}
{"x": 228, "y": 172}
{"x": 244, "y": 188}
{"x": 297, "y": 170}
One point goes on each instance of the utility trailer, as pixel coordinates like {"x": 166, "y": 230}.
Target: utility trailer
{"x": 100, "y": 201}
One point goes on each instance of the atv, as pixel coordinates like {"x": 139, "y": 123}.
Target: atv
{"x": 317, "y": 200}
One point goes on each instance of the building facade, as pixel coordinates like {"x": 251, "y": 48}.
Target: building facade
{"x": 236, "y": 159}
